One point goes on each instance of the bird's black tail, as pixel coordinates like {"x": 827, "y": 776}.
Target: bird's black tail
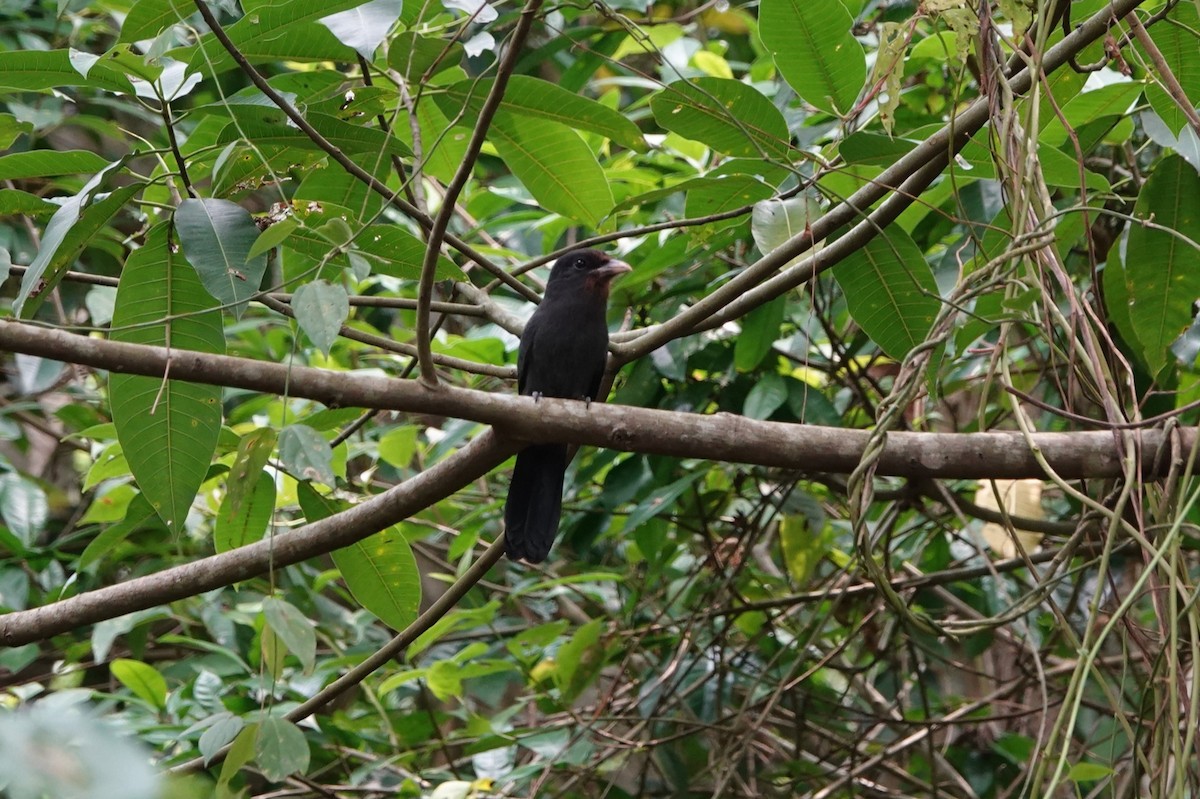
{"x": 534, "y": 502}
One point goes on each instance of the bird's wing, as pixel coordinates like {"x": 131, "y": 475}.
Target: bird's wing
{"x": 597, "y": 379}
{"x": 525, "y": 353}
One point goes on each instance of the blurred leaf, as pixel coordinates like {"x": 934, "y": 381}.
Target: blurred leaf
{"x": 527, "y": 97}
{"x": 71, "y": 228}
{"x": 306, "y": 454}
{"x": 760, "y": 329}
{"x": 293, "y": 629}
{"x": 767, "y": 396}
{"x": 578, "y": 661}
{"x": 49, "y": 163}
{"x": 321, "y": 309}
{"x": 23, "y": 507}
{"x": 220, "y": 734}
{"x": 280, "y": 749}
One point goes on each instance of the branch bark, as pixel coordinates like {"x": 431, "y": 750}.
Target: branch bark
{"x": 719, "y": 437}
{"x": 470, "y": 463}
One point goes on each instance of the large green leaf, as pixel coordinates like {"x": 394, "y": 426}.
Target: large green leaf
{"x": 167, "y": 429}
{"x": 380, "y": 570}
{"x": 1180, "y": 49}
{"x": 728, "y": 116}
{"x": 217, "y": 236}
{"x": 814, "y": 50}
{"x": 38, "y": 70}
{"x": 50, "y": 163}
{"x": 555, "y": 165}
{"x": 890, "y": 291}
{"x": 1160, "y": 261}
{"x": 532, "y": 97}
{"x": 147, "y": 18}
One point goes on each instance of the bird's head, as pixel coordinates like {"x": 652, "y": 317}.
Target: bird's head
{"x": 589, "y": 270}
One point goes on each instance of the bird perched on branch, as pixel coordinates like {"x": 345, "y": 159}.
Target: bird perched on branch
{"x": 563, "y": 352}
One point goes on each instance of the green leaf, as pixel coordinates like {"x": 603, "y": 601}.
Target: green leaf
{"x": 890, "y": 291}
{"x": 217, "y": 236}
{"x": 14, "y": 202}
{"x": 412, "y": 55}
{"x": 1160, "y": 265}
{"x": 269, "y": 128}
{"x": 767, "y": 396}
{"x": 142, "y": 679}
{"x": 243, "y": 516}
{"x": 803, "y": 547}
{"x": 50, "y": 163}
{"x": 293, "y": 628}
{"x": 148, "y": 18}
{"x": 760, "y": 329}
{"x": 272, "y": 237}
{"x": 578, "y": 661}
{"x": 167, "y": 429}
{"x": 528, "y": 97}
{"x": 23, "y": 506}
{"x": 382, "y": 575}
{"x": 278, "y": 31}
{"x": 280, "y": 749}
{"x": 815, "y": 51}
{"x": 306, "y": 454}
{"x": 39, "y": 70}
{"x": 555, "y": 165}
{"x": 1176, "y": 40}
{"x": 365, "y": 27}
{"x": 727, "y": 115}
{"x": 380, "y": 570}
{"x": 1089, "y": 772}
{"x": 240, "y": 753}
{"x": 223, "y": 731}
{"x": 398, "y": 446}
{"x": 138, "y": 516}
{"x": 774, "y": 222}
{"x": 321, "y": 308}
{"x": 67, "y": 234}
{"x": 660, "y": 502}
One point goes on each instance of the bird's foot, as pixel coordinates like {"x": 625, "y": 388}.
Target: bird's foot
{"x": 537, "y": 395}
{"x": 587, "y": 402}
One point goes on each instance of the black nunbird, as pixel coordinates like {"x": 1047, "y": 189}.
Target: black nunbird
{"x": 563, "y": 352}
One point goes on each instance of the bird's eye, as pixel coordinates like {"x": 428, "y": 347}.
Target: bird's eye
{"x": 579, "y": 263}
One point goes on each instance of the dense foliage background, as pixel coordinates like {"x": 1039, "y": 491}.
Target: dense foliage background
{"x": 903, "y": 224}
